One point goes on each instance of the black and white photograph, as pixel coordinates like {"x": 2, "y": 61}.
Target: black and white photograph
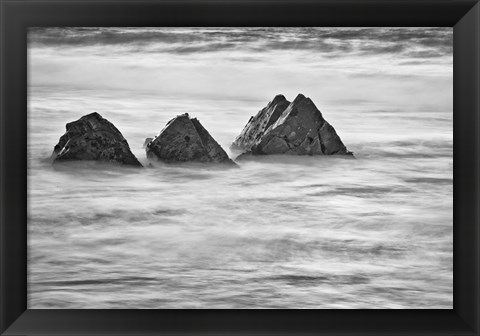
{"x": 240, "y": 167}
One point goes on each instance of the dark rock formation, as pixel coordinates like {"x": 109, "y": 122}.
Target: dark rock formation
{"x": 184, "y": 139}
{"x": 93, "y": 138}
{"x": 290, "y": 128}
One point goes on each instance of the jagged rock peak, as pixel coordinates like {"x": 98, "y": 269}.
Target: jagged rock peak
{"x": 93, "y": 138}
{"x": 304, "y": 102}
{"x": 299, "y": 97}
{"x": 277, "y": 99}
{"x": 184, "y": 139}
{"x": 293, "y": 128}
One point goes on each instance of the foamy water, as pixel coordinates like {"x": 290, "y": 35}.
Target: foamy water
{"x": 279, "y": 232}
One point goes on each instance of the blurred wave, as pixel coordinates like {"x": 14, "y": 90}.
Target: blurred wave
{"x": 280, "y": 231}
{"x": 414, "y": 42}
{"x": 286, "y": 233}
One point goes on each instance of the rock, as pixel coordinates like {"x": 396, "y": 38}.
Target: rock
{"x": 290, "y": 128}
{"x": 257, "y": 125}
{"x": 147, "y": 140}
{"x": 184, "y": 139}
{"x": 93, "y": 138}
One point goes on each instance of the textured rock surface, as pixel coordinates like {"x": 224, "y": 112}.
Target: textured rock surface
{"x": 257, "y": 125}
{"x": 93, "y": 138}
{"x": 184, "y": 139}
{"x": 290, "y": 128}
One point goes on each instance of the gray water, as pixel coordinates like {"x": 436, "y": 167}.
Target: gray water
{"x": 279, "y": 232}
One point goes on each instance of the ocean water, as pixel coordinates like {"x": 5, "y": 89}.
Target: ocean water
{"x": 278, "y": 232}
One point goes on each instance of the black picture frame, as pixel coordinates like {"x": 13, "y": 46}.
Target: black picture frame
{"x": 17, "y": 15}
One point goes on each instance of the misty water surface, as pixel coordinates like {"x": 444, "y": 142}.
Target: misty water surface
{"x": 279, "y": 232}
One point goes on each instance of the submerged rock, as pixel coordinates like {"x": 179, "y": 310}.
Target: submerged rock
{"x": 93, "y": 138}
{"x": 290, "y": 128}
{"x": 185, "y": 140}
{"x": 146, "y": 142}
